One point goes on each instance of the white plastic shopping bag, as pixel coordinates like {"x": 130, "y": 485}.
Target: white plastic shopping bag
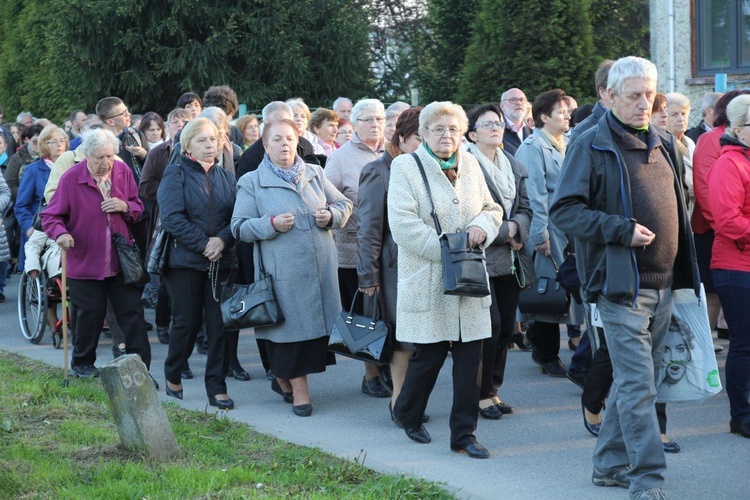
{"x": 688, "y": 370}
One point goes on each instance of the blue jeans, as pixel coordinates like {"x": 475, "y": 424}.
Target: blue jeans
{"x": 733, "y": 288}
{"x": 630, "y": 429}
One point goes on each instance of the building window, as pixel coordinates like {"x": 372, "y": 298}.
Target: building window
{"x": 723, "y": 36}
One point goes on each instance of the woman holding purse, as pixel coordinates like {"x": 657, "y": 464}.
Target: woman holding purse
{"x": 288, "y": 208}
{"x": 506, "y": 180}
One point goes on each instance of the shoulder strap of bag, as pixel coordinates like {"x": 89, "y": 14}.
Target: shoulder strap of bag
{"x": 429, "y": 193}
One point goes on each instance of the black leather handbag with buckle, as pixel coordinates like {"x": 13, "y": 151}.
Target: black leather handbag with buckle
{"x": 253, "y": 305}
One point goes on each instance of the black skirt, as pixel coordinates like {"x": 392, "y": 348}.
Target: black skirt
{"x": 297, "y": 359}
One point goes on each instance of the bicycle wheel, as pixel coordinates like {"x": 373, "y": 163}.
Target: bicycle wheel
{"x": 32, "y": 307}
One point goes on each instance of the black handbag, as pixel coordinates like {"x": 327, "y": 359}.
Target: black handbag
{"x": 361, "y": 337}
{"x": 251, "y": 305}
{"x": 464, "y": 268}
{"x": 131, "y": 265}
{"x": 158, "y": 257}
{"x": 546, "y": 297}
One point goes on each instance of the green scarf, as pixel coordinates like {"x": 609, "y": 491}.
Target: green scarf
{"x": 448, "y": 164}
{"x": 640, "y": 129}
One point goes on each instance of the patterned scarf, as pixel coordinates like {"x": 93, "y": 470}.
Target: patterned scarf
{"x": 291, "y": 175}
{"x": 449, "y": 166}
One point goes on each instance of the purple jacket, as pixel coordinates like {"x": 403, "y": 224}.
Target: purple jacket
{"x": 76, "y": 209}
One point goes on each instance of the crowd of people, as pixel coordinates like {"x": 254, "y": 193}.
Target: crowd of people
{"x": 343, "y": 201}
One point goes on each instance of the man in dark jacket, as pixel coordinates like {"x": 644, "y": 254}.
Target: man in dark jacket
{"x": 619, "y": 196}
{"x": 708, "y": 115}
{"x": 514, "y": 105}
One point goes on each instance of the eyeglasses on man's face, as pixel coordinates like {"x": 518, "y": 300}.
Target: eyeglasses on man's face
{"x": 126, "y": 112}
{"x": 515, "y": 100}
{"x": 372, "y": 119}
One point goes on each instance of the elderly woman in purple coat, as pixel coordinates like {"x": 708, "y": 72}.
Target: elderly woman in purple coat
{"x": 96, "y": 199}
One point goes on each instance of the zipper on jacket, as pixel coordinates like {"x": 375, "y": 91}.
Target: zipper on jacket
{"x": 210, "y": 206}
{"x": 629, "y": 216}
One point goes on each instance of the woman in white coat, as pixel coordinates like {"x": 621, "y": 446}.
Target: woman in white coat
{"x": 427, "y": 317}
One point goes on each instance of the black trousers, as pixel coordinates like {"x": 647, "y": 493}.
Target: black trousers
{"x": 163, "y": 310}
{"x": 423, "y": 371}
{"x": 191, "y": 292}
{"x": 504, "y": 291}
{"x": 89, "y": 297}
{"x": 545, "y": 337}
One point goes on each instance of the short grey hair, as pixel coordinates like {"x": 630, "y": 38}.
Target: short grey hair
{"x": 22, "y": 115}
{"x": 273, "y": 107}
{"x": 94, "y": 139}
{"x": 737, "y": 112}
{"x": 677, "y": 99}
{"x": 435, "y": 110}
{"x": 217, "y": 116}
{"x": 365, "y": 105}
{"x": 629, "y": 67}
{"x": 340, "y": 100}
{"x": 709, "y": 101}
{"x": 398, "y": 106}
{"x": 298, "y": 103}
{"x": 193, "y": 128}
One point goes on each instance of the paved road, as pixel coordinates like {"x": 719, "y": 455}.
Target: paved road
{"x": 540, "y": 452}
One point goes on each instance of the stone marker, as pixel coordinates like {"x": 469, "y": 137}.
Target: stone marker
{"x": 139, "y": 416}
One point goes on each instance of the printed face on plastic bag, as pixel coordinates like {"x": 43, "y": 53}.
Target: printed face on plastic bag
{"x": 678, "y": 348}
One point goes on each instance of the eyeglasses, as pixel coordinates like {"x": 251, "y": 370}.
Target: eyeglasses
{"x": 515, "y": 100}
{"x": 441, "y": 131}
{"x": 372, "y": 119}
{"x": 488, "y": 125}
{"x": 126, "y": 112}
{"x": 54, "y": 142}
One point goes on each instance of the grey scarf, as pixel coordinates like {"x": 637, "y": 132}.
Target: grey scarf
{"x": 501, "y": 173}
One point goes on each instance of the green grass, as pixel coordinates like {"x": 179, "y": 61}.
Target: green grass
{"x": 61, "y": 442}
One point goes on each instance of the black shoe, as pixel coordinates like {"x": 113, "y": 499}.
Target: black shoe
{"x": 162, "y": 334}
{"x": 390, "y": 409}
{"x": 221, "y": 404}
{"x": 722, "y": 333}
{"x": 2, "y": 297}
{"x": 521, "y": 342}
{"x": 592, "y": 428}
{"x": 288, "y": 396}
{"x": 671, "y": 447}
{"x": 576, "y": 379}
{"x": 741, "y": 427}
{"x": 270, "y": 376}
{"x": 117, "y": 351}
{"x": 107, "y": 332}
{"x": 552, "y": 368}
{"x": 201, "y": 348}
{"x": 85, "y": 371}
{"x": 502, "y": 406}
{"x": 187, "y": 374}
{"x": 239, "y": 374}
{"x": 419, "y": 435}
{"x": 156, "y": 384}
{"x": 172, "y": 393}
{"x": 302, "y": 410}
{"x": 573, "y": 347}
{"x": 375, "y": 388}
{"x": 149, "y": 326}
{"x": 491, "y": 412}
{"x": 474, "y": 450}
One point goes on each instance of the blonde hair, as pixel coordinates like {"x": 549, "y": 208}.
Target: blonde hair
{"x": 436, "y": 109}
{"x": 193, "y": 128}
{"x": 48, "y": 133}
{"x": 737, "y": 112}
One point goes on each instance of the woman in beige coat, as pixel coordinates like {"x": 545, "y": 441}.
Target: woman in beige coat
{"x": 433, "y": 321}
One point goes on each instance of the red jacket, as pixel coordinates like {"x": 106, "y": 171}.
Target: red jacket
{"x": 729, "y": 191}
{"x": 707, "y": 151}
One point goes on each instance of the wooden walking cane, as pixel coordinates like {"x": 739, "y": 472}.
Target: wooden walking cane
{"x": 66, "y": 317}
